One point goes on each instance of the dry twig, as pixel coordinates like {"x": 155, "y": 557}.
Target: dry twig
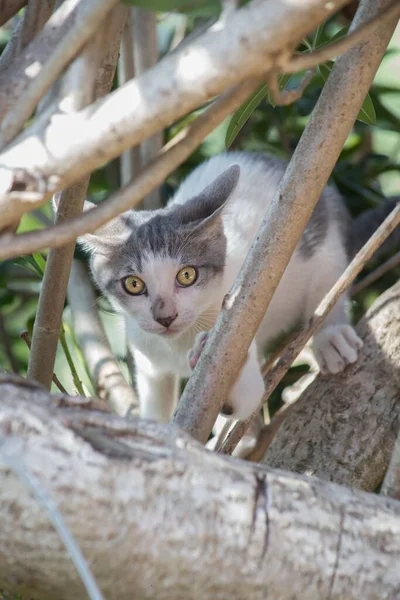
{"x": 295, "y": 346}
{"x": 379, "y": 272}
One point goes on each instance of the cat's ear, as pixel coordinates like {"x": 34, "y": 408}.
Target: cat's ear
{"x": 104, "y": 239}
{"x": 212, "y": 199}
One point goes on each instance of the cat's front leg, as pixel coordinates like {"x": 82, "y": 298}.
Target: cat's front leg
{"x": 158, "y": 392}
{"x": 247, "y": 392}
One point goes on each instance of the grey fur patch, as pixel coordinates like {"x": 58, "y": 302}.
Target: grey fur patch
{"x": 316, "y": 229}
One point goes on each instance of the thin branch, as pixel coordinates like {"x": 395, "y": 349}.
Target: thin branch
{"x": 36, "y": 15}
{"x": 9, "y": 8}
{"x": 102, "y": 364}
{"x": 130, "y": 159}
{"x": 257, "y": 37}
{"x": 379, "y": 272}
{"x": 77, "y": 89}
{"x": 24, "y": 83}
{"x": 296, "y": 345}
{"x": 356, "y": 36}
{"x": 12, "y": 454}
{"x": 286, "y": 217}
{"x": 24, "y": 335}
{"x": 267, "y": 434}
{"x": 171, "y": 156}
{"x": 145, "y": 55}
{"x": 286, "y": 97}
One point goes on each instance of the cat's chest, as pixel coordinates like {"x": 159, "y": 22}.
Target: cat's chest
{"x": 167, "y": 355}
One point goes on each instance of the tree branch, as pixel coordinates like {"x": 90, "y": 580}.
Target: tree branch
{"x": 391, "y": 483}
{"x": 78, "y": 89}
{"x": 172, "y": 155}
{"x": 9, "y": 8}
{"x": 102, "y": 364}
{"x": 296, "y": 345}
{"x": 300, "y": 62}
{"x": 343, "y": 429}
{"x": 24, "y": 83}
{"x": 379, "y": 272}
{"x": 146, "y": 56}
{"x": 301, "y": 186}
{"x": 226, "y": 533}
{"x": 259, "y": 36}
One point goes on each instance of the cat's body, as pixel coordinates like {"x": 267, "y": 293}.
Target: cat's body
{"x": 207, "y": 229}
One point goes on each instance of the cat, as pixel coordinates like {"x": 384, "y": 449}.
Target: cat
{"x": 168, "y": 270}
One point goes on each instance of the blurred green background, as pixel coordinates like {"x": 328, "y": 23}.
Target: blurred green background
{"x": 367, "y": 171}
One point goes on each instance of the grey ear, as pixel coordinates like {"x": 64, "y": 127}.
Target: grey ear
{"x": 212, "y": 199}
{"x": 109, "y": 235}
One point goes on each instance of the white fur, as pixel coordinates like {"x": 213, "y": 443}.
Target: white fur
{"x": 161, "y": 360}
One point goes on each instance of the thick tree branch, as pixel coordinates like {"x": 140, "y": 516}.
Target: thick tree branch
{"x": 102, "y": 364}
{"x": 296, "y": 345}
{"x": 259, "y": 36}
{"x": 172, "y": 155}
{"x": 24, "y": 83}
{"x": 280, "y": 230}
{"x": 391, "y": 483}
{"x": 344, "y": 428}
{"x": 155, "y": 513}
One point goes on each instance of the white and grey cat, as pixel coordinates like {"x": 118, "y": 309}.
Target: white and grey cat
{"x": 168, "y": 271}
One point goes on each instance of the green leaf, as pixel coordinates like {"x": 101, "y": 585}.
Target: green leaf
{"x": 39, "y": 261}
{"x": 243, "y": 113}
{"x": 339, "y": 35}
{"x": 367, "y": 113}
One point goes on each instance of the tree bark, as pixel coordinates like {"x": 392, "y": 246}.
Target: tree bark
{"x": 157, "y": 516}
{"x": 343, "y": 428}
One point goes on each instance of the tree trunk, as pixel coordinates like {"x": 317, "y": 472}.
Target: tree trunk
{"x": 157, "y": 516}
{"x": 344, "y": 427}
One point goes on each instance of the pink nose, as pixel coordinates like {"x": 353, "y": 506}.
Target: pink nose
{"x": 166, "y": 321}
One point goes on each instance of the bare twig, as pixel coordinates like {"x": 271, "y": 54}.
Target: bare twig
{"x": 295, "y": 346}
{"x": 130, "y": 159}
{"x": 300, "y": 62}
{"x": 102, "y": 364}
{"x": 12, "y": 454}
{"x": 379, "y": 272}
{"x": 145, "y": 55}
{"x": 9, "y": 8}
{"x": 77, "y": 89}
{"x": 301, "y": 186}
{"x": 24, "y": 83}
{"x": 257, "y": 37}
{"x": 24, "y": 335}
{"x": 172, "y": 155}
{"x": 286, "y": 97}
{"x": 267, "y": 434}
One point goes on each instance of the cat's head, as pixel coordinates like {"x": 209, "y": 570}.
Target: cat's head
{"x": 164, "y": 267}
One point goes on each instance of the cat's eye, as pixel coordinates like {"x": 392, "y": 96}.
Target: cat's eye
{"x": 187, "y": 276}
{"x": 134, "y": 285}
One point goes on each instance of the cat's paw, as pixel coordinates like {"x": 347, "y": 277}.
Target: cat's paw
{"x": 197, "y": 349}
{"x": 335, "y": 347}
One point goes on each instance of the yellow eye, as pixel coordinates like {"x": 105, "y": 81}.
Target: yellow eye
{"x": 187, "y": 276}
{"x": 134, "y": 285}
